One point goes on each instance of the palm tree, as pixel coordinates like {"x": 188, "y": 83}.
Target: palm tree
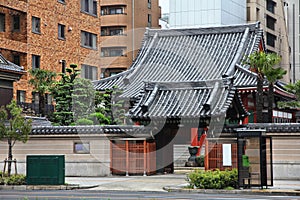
{"x": 261, "y": 62}
{"x": 273, "y": 74}
{"x": 41, "y": 81}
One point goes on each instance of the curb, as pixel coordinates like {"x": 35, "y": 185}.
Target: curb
{"x": 45, "y": 187}
{"x": 249, "y": 192}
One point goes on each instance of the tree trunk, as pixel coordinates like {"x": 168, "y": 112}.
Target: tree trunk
{"x": 259, "y": 99}
{"x": 10, "y": 157}
{"x": 42, "y": 104}
{"x": 270, "y": 102}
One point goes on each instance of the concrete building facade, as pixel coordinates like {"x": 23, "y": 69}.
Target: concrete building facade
{"x": 195, "y": 13}
{"x": 90, "y": 33}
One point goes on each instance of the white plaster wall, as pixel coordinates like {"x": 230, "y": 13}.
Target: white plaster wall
{"x": 95, "y": 163}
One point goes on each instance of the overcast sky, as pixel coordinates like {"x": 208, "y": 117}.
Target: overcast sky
{"x": 164, "y": 6}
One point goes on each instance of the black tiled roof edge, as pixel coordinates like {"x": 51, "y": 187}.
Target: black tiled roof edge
{"x": 99, "y": 130}
{"x": 277, "y": 127}
{"x": 9, "y": 66}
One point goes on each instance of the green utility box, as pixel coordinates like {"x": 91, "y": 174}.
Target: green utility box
{"x": 45, "y": 170}
{"x": 246, "y": 162}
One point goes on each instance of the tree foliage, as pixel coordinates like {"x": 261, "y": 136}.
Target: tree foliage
{"x": 62, "y": 93}
{"x": 109, "y": 107}
{"x": 13, "y": 127}
{"x": 41, "y": 80}
{"x": 263, "y": 64}
{"x": 295, "y": 89}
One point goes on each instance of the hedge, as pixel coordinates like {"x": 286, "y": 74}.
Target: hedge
{"x": 216, "y": 179}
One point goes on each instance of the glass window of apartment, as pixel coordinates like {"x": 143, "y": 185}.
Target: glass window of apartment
{"x": 21, "y": 95}
{"x": 61, "y": 31}
{"x": 149, "y": 4}
{"x": 89, "y": 72}
{"x": 2, "y": 22}
{"x": 88, "y": 40}
{"x": 36, "y": 25}
{"x": 89, "y": 6}
{"x": 16, "y": 23}
{"x": 112, "y": 51}
{"x": 271, "y": 6}
{"x": 16, "y": 59}
{"x": 271, "y": 22}
{"x": 112, "y": 10}
{"x": 271, "y": 39}
{"x": 149, "y": 20}
{"x": 36, "y": 61}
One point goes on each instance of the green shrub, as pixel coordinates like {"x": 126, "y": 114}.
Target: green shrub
{"x": 213, "y": 179}
{"x": 17, "y": 179}
{"x": 84, "y": 121}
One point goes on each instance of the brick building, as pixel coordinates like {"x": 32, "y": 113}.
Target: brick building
{"x": 95, "y": 34}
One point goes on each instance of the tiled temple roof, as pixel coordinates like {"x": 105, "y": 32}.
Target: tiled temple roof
{"x": 181, "y": 55}
{"x": 185, "y": 99}
{"x": 5, "y": 65}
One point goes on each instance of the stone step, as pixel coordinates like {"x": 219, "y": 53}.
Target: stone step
{"x": 186, "y": 170}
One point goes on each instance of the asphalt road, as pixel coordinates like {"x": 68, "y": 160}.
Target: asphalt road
{"x": 110, "y": 195}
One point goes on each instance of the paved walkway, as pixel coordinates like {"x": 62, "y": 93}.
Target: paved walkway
{"x": 158, "y": 182}
{"x": 130, "y": 183}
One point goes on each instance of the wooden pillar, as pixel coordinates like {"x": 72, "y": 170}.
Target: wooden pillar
{"x": 127, "y": 157}
{"x": 145, "y": 158}
{"x": 206, "y": 160}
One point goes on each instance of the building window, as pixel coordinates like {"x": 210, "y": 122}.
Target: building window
{"x": 112, "y": 51}
{"x": 2, "y": 22}
{"x": 61, "y": 31}
{"x": 88, "y": 40}
{"x": 89, "y": 7}
{"x": 271, "y": 22}
{"x": 248, "y": 14}
{"x": 271, "y": 39}
{"x": 112, "y": 10}
{"x": 111, "y": 31}
{"x": 89, "y": 72}
{"x": 149, "y": 20}
{"x": 82, "y": 147}
{"x": 16, "y": 59}
{"x": 36, "y": 25}
{"x": 149, "y": 4}
{"x": 36, "y": 61}
{"x": 21, "y": 96}
{"x": 16, "y": 23}
{"x": 271, "y": 6}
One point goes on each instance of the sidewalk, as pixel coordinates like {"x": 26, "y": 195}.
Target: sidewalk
{"x": 172, "y": 183}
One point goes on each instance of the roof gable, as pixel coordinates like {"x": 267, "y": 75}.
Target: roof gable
{"x": 182, "y": 55}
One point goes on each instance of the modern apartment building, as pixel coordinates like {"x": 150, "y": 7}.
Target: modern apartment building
{"x": 98, "y": 35}
{"x": 270, "y": 13}
{"x": 272, "y": 17}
